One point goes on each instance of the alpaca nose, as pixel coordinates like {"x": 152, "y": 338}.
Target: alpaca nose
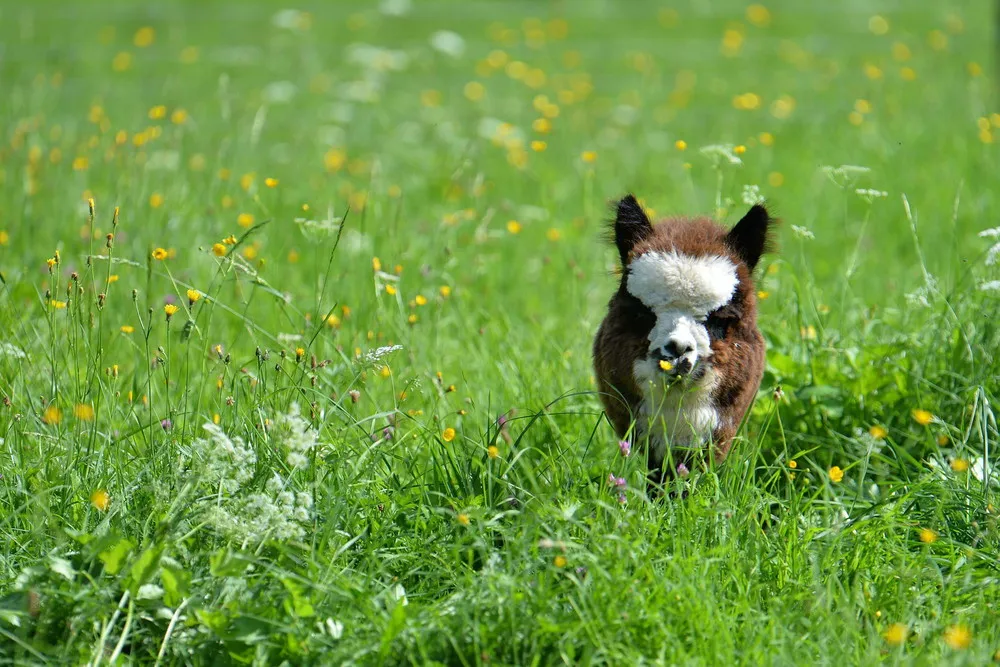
{"x": 674, "y": 357}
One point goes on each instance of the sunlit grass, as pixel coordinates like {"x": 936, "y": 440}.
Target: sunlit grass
{"x": 298, "y": 305}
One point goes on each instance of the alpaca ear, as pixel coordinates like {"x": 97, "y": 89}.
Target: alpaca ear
{"x": 631, "y": 226}
{"x": 751, "y": 237}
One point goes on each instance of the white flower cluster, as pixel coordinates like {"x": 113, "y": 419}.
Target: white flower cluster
{"x": 296, "y": 437}
{"x": 226, "y": 466}
{"x": 720, "y": 153}
{"x": 922, "y": 296}
{"x": 225, "y": 463}
{"x": 274, "y": 514}
{"x": 751, "y": 195}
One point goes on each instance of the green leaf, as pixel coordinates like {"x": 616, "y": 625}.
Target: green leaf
{"x": 300, "y": 603}
{"x": 225, "y": 563}
{"x": 62, "y": 567}
{"x": 144, "y": 568}
{"x": 175, "y": 585}
{"x": 114, "y": 556}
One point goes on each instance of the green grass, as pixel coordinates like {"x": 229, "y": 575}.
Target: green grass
{"x": 318, "y": 539}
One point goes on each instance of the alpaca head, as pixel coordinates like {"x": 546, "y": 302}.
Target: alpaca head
{"x": 679, "y": 357}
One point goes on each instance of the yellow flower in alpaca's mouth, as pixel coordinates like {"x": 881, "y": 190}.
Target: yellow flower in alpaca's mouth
{"x": 665, "y": 365}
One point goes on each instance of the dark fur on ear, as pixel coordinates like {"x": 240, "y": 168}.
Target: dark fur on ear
{"x": 631, "y": 226}
{"x": 751, "y": 237}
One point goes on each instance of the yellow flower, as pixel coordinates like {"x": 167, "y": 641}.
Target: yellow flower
{"x": 878, "y": 432}
{"x": 665, "y": 365}
{"x": 157, "y": 112}
{"x": 793, "y": 464}
{"x": 959, "y": 465}
{"x": 100, "y": 499}
{"x": 758, "y": 15}
{"x": 333, "y": 321}
{"x": 896, "y": 634}
{"x": 553, "y": 234}
{"x": 127, "y": 329}
{"x": 538, "y": 146}
{"x": 4, "y": 237}
{"x": 542, "y": 125}
{"x": 928, "y": 536}
{"x": 386, "y": 371}
{"x": 390, "y": 290}
{"x": 218, "y": 249}
{"x": 113, "y": 278}
{"x": 122, "y": 61}
{"x": 765, "y": 139}
{"x": 514, "y": 227}
{"x": 144, "y": 37}
{"x": 156, "y": 200}
{"x": 942, "y": 440}
{"x": 412, "y": 319}
{"x": 420, "y": 300}
{"x": 740, "y": 150}
{"x": 170, "y": 309}
{"x": 376, "y": 264}
{"x": 80, "y": 163}
{"x": 193, "y": 295}
{"x": 244, "y": 219}
{"x": 229, "y": 240}
{"x": 83, "y": 412}
{"x": 300, "y": 352}
{"x": 836, "y": 474}
{"x": 448, "y": 435}
{"x": 958, "y": 637}
{"x": 878, "y": 25}
{"x": 763, "y": 294}
{"x": 922, "y": 417}
{"x": 463, "y": 519}
{"x": 160, "y": 254}
{"x": 52, "y": 415}
{"x": 559, "y": 561}
{"x": 681, "y": 145}
{"x": 492, "y": 451}
{"x": 445, "y": 291}
{"x": 589, "y": 156}
{"x": 271, "y": 182}
{"x": 58, "y": 305}
{"x": 178, "y": 117}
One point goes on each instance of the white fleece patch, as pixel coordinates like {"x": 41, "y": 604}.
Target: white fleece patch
{"x": 672, "y": 281}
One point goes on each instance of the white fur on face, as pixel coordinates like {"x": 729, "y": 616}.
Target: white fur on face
{"x": 674, "y": 415}
{"x": 682, "y": 290}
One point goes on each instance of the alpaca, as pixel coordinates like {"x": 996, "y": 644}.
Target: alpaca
{"x": 678, "y": 357}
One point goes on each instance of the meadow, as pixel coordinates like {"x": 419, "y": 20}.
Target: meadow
{"x": 297, "y": 307}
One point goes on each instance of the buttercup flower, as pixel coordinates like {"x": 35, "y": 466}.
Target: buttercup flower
{"x": 836, "y": 474}
{"x": 448, "y": 434}
{"x": 100, "y": 499}
{"x": 896, "y": 634}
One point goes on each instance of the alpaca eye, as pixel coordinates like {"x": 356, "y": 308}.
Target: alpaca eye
{"x": 720, "y": 321}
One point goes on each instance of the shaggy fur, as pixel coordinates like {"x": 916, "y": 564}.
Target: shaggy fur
{"x": 654, "y": 375}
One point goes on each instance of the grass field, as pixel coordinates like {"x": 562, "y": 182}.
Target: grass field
{"x": 297, "y": 308}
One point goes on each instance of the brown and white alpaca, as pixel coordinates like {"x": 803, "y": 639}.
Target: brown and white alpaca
{"x": 678, "y": 357}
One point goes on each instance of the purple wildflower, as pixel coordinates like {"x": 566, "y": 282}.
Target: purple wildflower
{"x": 502, "y": 421}
{"x": 625, "y": 447}
{"x": 166, "y": 424}
{"x": 682, "y": 470}
{"x": 618, "y": 482}
{"x": 621, "y": 498}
